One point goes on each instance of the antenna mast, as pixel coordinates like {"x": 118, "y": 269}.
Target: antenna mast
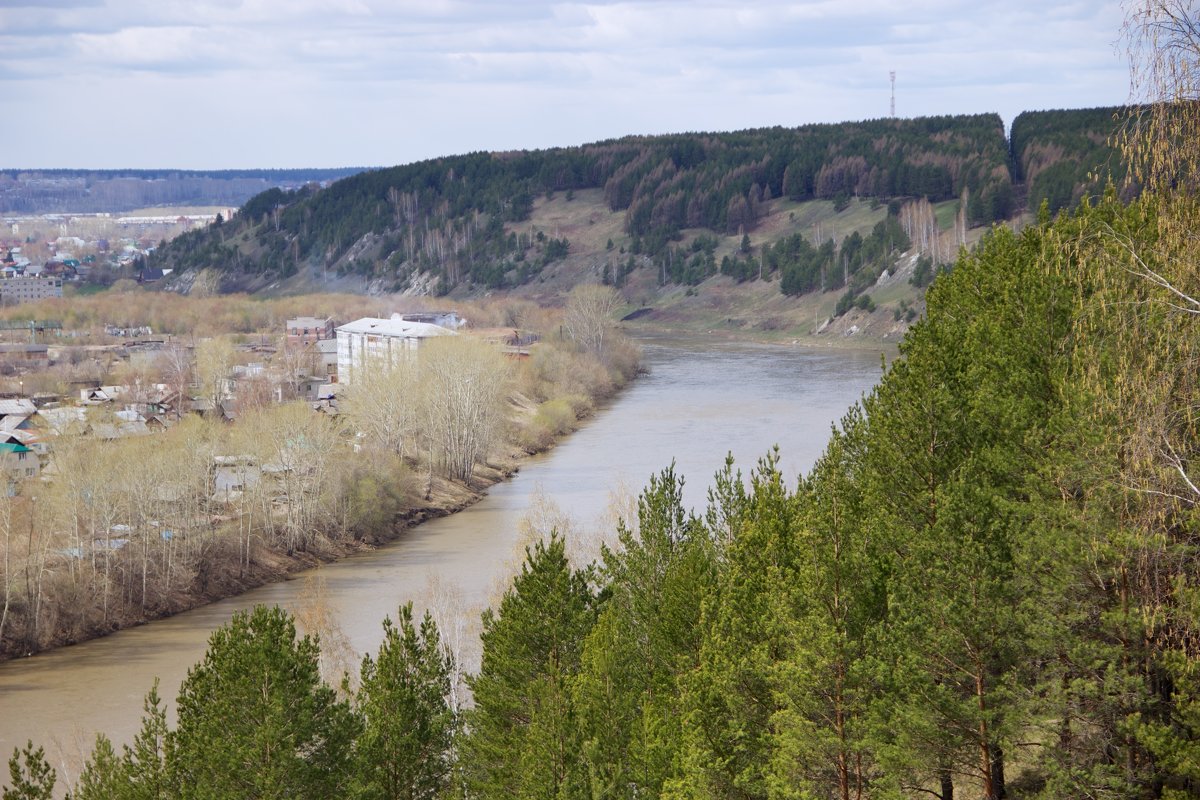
{"x": 892, "y": 75}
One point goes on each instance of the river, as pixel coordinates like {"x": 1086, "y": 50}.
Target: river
{"x": 699, "y": 401}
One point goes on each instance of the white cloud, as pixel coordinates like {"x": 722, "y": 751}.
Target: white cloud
{"x": 323, "y": 82}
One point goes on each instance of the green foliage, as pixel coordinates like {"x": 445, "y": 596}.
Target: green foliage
{"x": 376, "y": 495}
{"x": 405, "y": 749}
{"x": 844, "y": 303}
{"x": 521, "y": 740}
{"x": 627, "y": 694}
{"x": 102, "y": 777}
{"x": 31, "y": 776}
{"x": 829, "y": 599}
{"x": 447, "y": 215}
{"x": 1175, "y": 742}
{"x": 924, "y": 272}
{"x": 560, "y": 414}
{"x": 731, "y": 694}
{"x": 857, "y": 262}
{"x": 142, "y": 774}
{"x": 1065, "y": 155}
{"x": 255, "y": 719}
{"x": 802, "y": 267}
{"x": 946, "y": 589}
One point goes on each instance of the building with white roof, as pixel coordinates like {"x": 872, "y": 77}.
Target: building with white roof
{"x": 371, "y": 339}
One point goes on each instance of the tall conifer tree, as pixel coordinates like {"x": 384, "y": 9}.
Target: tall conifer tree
{"x": 521, "y": 740}
{"x": 256, "y": 720}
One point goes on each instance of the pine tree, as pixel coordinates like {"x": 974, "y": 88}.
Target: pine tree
{"x": 828, "y": 602}
{"x": 647, "y": 637}
{"x": 957, "y": 429}
{"x": 32, "y": 776}
{"x": 255, "y": 719}
{"x": 521, "y": 740}
{"x": 404, "y": 751}
{"x": 731, "y": 696}
{"x": 102, "y": 777}
{"x": 144, "y": 764}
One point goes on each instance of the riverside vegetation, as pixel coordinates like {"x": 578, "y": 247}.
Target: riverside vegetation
{"x": 135, "y": 528}
{"x": 987, "y": 585}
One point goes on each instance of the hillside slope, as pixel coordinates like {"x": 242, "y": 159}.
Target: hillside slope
{"x": 447, "y": 217}
{"x": 828, "y": 210}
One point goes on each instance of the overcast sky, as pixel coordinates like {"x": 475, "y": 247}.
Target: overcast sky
{"x": 206, "y": 84}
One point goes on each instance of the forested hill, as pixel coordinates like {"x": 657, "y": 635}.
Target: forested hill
{"x": 1063, "y": 155}
{"x": 446, "y": 218}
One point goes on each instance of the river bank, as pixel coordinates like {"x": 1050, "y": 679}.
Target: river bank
{"x": 764, "y": 317}
{"x": 142, "y": 529}
{"x": 229, "y": 571}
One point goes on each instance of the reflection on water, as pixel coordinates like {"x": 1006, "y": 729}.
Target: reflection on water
{"x": 698, "y": 402}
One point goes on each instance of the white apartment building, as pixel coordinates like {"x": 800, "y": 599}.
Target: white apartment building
{"x": 27, "y": 289}
{"x": 370, "y": 339}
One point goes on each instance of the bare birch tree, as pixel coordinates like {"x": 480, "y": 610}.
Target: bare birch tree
{"x": 1162, "y": 139}
{"x": 458, "y": 624}
{"x": 214, "y": 366}
{"x": 297, "y": 452}
{"x": 176, "y": 368}
{"x": 463, "y": 386}
{"x": 381, "y": 404}
{"x": 589, "y": 315}
{"x": 6, "y": 561}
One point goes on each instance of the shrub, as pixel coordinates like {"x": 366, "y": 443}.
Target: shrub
{"x": 556, "y": 415}
{"x": 844, "y": 303}
{"x": 376, "y": 493}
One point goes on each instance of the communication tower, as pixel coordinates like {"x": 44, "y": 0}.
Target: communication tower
{"x": 892, "y": 75}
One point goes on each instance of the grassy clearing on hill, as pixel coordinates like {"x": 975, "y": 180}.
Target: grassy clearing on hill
{"x": 754, "y": 308}
{"x": 584, "y": 219}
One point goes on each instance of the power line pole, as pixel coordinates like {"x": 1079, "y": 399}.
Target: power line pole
{"x": 892, "y": 75}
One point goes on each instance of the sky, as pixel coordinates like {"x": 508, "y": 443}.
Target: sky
{"x": 213, "y": 84}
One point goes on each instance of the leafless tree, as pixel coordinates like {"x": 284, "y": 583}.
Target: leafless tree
{"x": 297, "y": 452}
{"x": 463, "y": 384}
{"x": 6, "y": 535}
{"x": 214, "y": 365}
{"x": 381, "y": 406}
{"x": 589, "y": 315}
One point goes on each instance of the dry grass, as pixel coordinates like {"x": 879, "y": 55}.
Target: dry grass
{"x": 585, "y": 220}
{"x": 813, "y": 216}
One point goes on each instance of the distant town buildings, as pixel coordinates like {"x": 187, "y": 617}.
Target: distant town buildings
{"x": 327, "y": 357}
{"x": 446, "y": 319}
{"x": 17, "y": 462}
{"x": 371, "y": 339}
{"x": 26, "y": 289}
{"x": 305, "y": 331}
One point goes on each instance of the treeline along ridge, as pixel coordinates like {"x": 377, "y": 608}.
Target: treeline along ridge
{"x": 453, "y": 218}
